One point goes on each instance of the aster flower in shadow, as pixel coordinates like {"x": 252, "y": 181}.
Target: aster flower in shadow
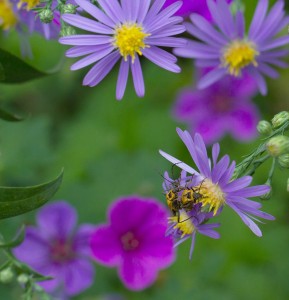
{"x": 134, "y": 241}
{"x": 193, "y": 6}
{"x": 224, "y": 107}
{"x": 124, "y": 31}
{"x": 56, "y": 248}
{"x": 216, "y": 184}
{"x": 228, "y": 49}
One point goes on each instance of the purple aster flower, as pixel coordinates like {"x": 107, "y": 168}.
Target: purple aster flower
{"x": 224, "y": 107}
{"x": 193, "y": 6}
{"x": 187, "y": 223}
{"x": 230, "y": 50}
{"x": 124, "y": 31}
{"x": 134, "y": 241}
{"x": 216, "y": 184}
{"x": 56, "y": 248}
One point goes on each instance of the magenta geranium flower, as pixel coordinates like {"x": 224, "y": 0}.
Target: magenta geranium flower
{"x": 193, "y": 6}
{"x": 134, "y": 241}
{"x": 124, "y": 31}
{"x": 229, "y": 49}
{"x": 57, "y": 248}
{"x": 224, "y": 107}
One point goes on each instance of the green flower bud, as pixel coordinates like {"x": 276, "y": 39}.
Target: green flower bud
{"x": 23, "y": 278}
{"x": 264, "y": 127}
{"x": 6, "y": 275}
{"x": 67, "y": 30}
{"x": 68, "y": 9}
{"x": 278, "y": 145}
{"x": 46, "y": 15}
{"x": 280, "y": 119}
{"x": 283, "y": 161}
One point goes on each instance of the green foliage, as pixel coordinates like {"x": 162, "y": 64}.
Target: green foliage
{"x": 19, "y": 200}
{"x": 8, "y": 116}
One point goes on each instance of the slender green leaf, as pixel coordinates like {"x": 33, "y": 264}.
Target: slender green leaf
{"x": 19, "y": 200}
{"x": 16, "y": 241}
{"x": 7, "y": 116}
{"x": 15, "y": 70}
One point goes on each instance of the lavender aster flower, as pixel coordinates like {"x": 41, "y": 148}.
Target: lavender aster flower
{"x": 193, "y": 6}
{"x": 217, "y": 186}
{"x": 229, "y": 50}
{"x": 224, "y": 107}
{"x": 134, "y": 241}
{"x": 124, "y": 31}
{"x": 55, "y": 248}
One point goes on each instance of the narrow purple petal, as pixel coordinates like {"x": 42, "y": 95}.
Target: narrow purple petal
{"x": 227, "y": 175}
{"x": 237, "y": 184}
{"x": 166, "y": 41}
{"x": 220, "y": 168}
{"x": 260, "y": 81}
{"x": 143, "y": 9}
{"x": 267, "y": 70}
{"x": 77, "y": 51}
{"x": 281, "y": 41}
{"x": 215, "y": 153}
{"x": 192, "y": 245}
{"x": 122, "y": 79}
{"x": 137, "y": 77}
{"x": 258, "y": 18}
{"x": 210, "y": 233}
{"x": 240, "y": 24}
{"x": 253, "y": 191}
{"x": 155, "y": 8}
{"x": 113, "y": 9}
{"x": 211, "y": 77}
{"x": 242, "y": 200}
{"x": 85, "y": 40}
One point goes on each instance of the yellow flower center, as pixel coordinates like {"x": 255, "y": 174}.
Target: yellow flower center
{"x": 238, "y": 55}
{"x": 29, "y": 4}
{"x": 184, "y": 224}
{"x": 129, "y": 38}
{"x": 212, "y": 195}
{"x": 7, "y": 16}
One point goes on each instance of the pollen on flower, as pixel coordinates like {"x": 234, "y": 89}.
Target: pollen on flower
{"x": 239, "y": 54}
{"x": 184, "y": 223}
{"x": 212, "y": 195}
{"x": 29, "y": 4}
{"x": 129, "y": 38}
{"x": 7, "y": 17}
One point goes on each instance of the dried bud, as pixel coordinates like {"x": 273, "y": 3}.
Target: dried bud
{"x": 68, "y": 9}
{"x": 46, "y": 15}
{"x": 278, "y": 145}
{"x": 283, "y": 161}
{"x": 264, "y": 127}
{"x": 67, "y": 30}
{"x": 280, "y": 119}
{"x": 23, "y": 278}
{"x": 6, "y": 275}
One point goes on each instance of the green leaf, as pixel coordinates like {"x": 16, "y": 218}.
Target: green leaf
{"x": 7, "y": 116}
{"x": 16, "y": 241}
{"x": 19, "y": 200}
{"x": 15, "y": 70}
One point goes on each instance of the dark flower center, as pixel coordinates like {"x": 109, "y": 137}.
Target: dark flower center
{"x": 221, "y": 104}
{"x": 61, "y": 251}
{"x": 129, "y": 242}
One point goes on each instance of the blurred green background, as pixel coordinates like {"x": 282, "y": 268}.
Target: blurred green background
{"x": 110, "y": 149}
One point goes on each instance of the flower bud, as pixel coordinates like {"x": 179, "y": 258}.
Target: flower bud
{"x": 283, "y": 161}
{"x": 278, "y": 145}
{"x": 264, "y": 127}
{"x": 67, "y": 30}
{"x": 46, "y": 15}
{"x": 23, "y": 278}
{"x": 68, "y": 9}
{"x": 6, "y": 275}
{"x": 280, "y": 119}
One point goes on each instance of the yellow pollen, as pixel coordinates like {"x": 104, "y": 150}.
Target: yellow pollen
{"x": 238, "y": 55}
{"x": 7, "y": 17}
{"x": 212, "y": 195}
{"x": 185, "y": 224}
{"x": 129, "y": 38}
{"x": 29, "y": 4}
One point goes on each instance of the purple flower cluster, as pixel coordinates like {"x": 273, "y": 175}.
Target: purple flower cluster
{"x": 215, "y": 187}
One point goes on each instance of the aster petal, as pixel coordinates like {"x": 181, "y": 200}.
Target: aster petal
{"x": 86, "y": 24}
{"x": 240, "y": 24}
{"x": 238, "y": 184}
{"x": 167, "y": 24}
{"x": 138, "y": 273}
{"x": 95, "y": 12}
{"x": 169, "y": 31}
{"x": 258, "y": 18}
{"x": 92, "y": 58}
{"x": 113, "y": 9}
{"x": 78, "y": 276}
{"x": 278, "y": 42}
{"x": 215, "y": 152}
{"x": 277, "y": 62}
{"x": 260, "y": 81}
{"x": 253, "y": 191}
{"x": 242, "y": 200}
{"x": 57, "y": 220}
{"x": 158, "y": 57}
{"x": 85, "y": 40}
{"x": 220, "y": 168}
{"x": 122, "y": 79}
{"x": 101, "y": 69}
{"x": 105, "y": 246}
{"x": 211, "y": 77}
{"x": 255, "y": 212}
{"x": 267, "y": 70}
{"x": 181, "y": 240}
{"x": 137, "y": 77}
{"x": 227, "y": 175}
{"x": 155, "y": 8}
{"x": 192, "y": 245}
{"x": 77, "y": 51}
{"x": 210, "y": 233}
{"x": 143, "y": 9}
{"x": 166, "y": 41}
{"x": 178, "y": 162}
